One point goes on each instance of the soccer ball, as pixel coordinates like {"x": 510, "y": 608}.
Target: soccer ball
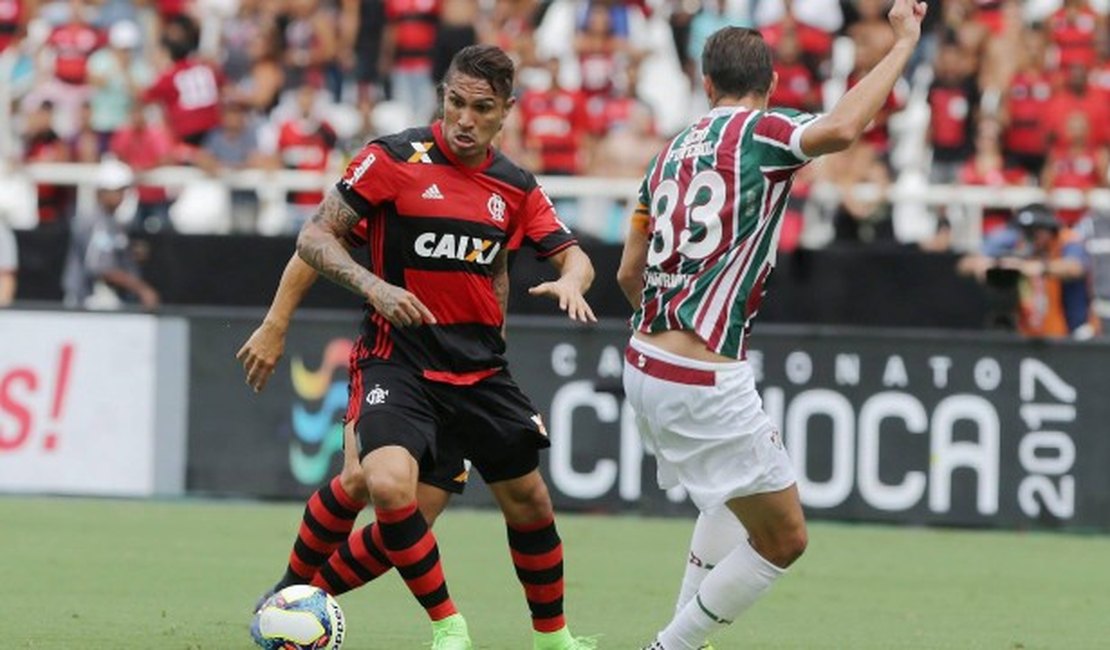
{"x": 300, "y": 617}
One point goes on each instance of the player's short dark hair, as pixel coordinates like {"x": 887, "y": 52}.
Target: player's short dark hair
{"x": 738, "y": 62}
{"x": 487, "y": 62}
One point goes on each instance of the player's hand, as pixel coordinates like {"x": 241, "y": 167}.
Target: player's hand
{"x": 569, "y": 297}
{"x": 399, "y": 307}
{"x": 905, "y": 18}
{"x": 260, "y": 354}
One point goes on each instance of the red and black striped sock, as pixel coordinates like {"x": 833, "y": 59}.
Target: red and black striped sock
{"x": 328, "y": 518}
{"x": 411, "y": 546}
{"x": 538, "y": 557}
{"x": 356, "y": 562}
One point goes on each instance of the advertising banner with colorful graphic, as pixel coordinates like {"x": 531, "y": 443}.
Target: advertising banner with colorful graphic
{"x": 970, "y": 430}
{"x": 283, "y": 441}
{"x": 92, "y": 403}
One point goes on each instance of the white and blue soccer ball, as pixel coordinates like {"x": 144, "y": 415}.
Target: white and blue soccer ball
{"x": 300, "y": 617}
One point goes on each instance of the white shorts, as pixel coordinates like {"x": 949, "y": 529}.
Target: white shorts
{"x": 706, "y": 426}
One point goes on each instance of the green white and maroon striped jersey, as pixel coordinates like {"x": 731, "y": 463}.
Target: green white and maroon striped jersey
{"x": 716, "y": 195}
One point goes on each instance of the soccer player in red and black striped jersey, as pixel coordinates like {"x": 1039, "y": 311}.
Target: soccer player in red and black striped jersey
{"x": 442, "y": 209}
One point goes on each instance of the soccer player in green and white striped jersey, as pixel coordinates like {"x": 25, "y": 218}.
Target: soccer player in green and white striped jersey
{"x": 695, "y": 263}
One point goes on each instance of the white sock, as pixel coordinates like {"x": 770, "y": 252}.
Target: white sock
{"x": 716, "y": 533}
{"x": 725, "y": 593}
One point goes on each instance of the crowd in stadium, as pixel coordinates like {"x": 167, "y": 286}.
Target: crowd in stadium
{"x": 1018, "y": 90}
{"x": 1007, "y": 93}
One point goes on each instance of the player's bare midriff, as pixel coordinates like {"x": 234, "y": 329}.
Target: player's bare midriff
{"x": 684, "y": 343}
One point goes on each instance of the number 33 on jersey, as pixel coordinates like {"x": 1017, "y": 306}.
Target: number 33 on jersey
{"x": 715, "y": 198}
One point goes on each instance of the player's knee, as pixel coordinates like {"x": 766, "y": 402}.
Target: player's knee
{"x": 783, "y": 547}
{"x": 527, "y": 501}
{"x": 389, "y": 491}
{"x": 353, "y": 482}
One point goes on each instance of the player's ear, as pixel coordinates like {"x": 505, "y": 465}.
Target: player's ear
{"x": 707, "y": 86}
{"x": 774, "y": 84}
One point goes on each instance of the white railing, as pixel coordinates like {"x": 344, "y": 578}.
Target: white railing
{"x": 911, "y": 202}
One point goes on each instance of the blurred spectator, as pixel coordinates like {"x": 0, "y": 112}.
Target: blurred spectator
{"x": 368, "y": 48}
{"x": 1025, "y": 108}
{"x": 260, "y": 88}
{"x": 555, "y": 127}
{"x": 101, "y": 269}
{"x": 712, "y": 15}
{"x": 1075, "y": 163}
{"x": 813, "y": 21}
{"x": 457, "y": 29}
{"x": 145, "y": 144}
{"x": 797, "y": 86}
{"x": 1073, "y": 31}
{"x": 86, "y": 145}
{"x": 71, "y": 44}
{"x": 190, "y": 87}
{"x": 860, "y": 220}
{"x": 9, "y": 263}
{"x": 872, "y": 37}
{"x": 233, "y": 146}
{"x": 1077, "y": 97}
{"x": 410, "y": 35}
{"x": 311, "y": 46}
{"x": 239, "y": 33}
{"x": 42, "y": 144}
{"x": 989, "y": 168}
{"x": 510, "y": 22}
{"x": 65, "y": 53}
{"x": 13, "y": 17}
{"x": 628, "y": 148}
{"x": 602, "y": 52}
{"x": 305, "y": 142}
{"x": 117, "y": 73}
{"x": 1037, "y": 275}
{"x": 953, "y": 100}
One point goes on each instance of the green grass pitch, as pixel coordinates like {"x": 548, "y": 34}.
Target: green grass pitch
{"x": 107, "y": 574}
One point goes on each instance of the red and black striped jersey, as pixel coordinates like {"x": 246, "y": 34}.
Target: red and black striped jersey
{"x": 434, "y": 227}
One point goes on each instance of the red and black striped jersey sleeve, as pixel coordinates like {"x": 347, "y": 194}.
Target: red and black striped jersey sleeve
{"x": 539, "y": 227}
{"x": 371, "y": 179}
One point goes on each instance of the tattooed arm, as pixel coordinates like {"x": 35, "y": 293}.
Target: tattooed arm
{"x": 501, "y": 286}
{"x": 321, "y": 246}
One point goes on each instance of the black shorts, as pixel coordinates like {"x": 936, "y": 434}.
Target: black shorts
{"x": 448, "y": 469}
{"x": 491, "y": 423}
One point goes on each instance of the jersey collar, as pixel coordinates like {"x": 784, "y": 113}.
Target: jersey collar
{"x": 441, "y": 142}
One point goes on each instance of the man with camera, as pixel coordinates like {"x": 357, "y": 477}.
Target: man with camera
{"x": 1037, "y": 275}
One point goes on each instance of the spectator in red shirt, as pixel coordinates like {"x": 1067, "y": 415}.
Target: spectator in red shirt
{"x": 12, "y": 20}
{"x": 989, "y": 168}
{"x": 190, "y": 87}
{"x": 305, "y": 142}
{"x": 1075, "y": 163}
{"x": 410, "y": 36}
{"x": 71, "y": 45}
{"x": 600, "y": 50}
{"x": 1073, "y": 31}
{"x": 42, "y": 144}
{"x": 65, "y": 53}
{"x": 1077, "y": 96}
{"x": 1025, "y": 108}
{"x": 555, "y": 125}
{"x": 953, "y": 102}
{"x": 797, "y": 87}
{"x": 146, "y": 144}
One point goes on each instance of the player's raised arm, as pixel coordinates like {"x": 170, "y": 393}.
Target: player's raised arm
{"x": 839, "y": 128}
{"x": 321, "y": 245}
{"x": 576, "y": 274}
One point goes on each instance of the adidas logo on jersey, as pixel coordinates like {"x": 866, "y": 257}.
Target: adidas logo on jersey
{"x": 463, "y": 248}
{"x": 432, "y": 193}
